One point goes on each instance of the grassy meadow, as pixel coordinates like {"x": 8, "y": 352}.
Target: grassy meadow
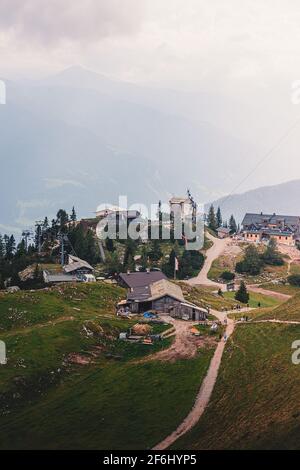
{"x": 256, "y": 401}
{"x": 70, "y": 383}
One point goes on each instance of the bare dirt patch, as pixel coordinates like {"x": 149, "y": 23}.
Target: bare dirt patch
{"x": 79, "y": 359}
{"x": 185, "y": 345}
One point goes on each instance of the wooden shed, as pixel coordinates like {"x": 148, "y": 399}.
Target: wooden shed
{"x": 188, "y": 311}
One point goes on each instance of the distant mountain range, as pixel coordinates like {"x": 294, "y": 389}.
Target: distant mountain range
{"x": 80, "y": 138}
{"x": 281, "y": 198}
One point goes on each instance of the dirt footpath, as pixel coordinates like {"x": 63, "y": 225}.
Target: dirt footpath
{"x": 219, "y": 246}
{"x": 269, "y": 293}
{"x": 204, "y": 393}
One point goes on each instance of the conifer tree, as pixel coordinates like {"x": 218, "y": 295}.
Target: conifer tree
{"x": 242, "y": 294}
{"x": 219, "y": 217}
{"x": 211, "y": 219}
{"x": 232, "y": 225}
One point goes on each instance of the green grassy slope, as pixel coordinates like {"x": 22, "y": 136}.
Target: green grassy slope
{"x": 256, "y": 401}
{"x": 109, "y": 407}
{"x": 26, "y": 308}
{"x": 112, "y": 401}
{"x": 289, "y": 310}
{"x": 255, "y": 298}
{"x": 203, "y": 296}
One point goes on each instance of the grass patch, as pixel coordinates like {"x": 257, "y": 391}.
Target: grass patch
{"x": 289, "y": 310}
{"x": 295, "y": 268}
{"x": 256, "y": 401}
{"x": 27, "y": 308}
{"x": 109, "y": 401}
{"x": 115, "y": 406}
{"x": 281, "y": 288}
{"x": 255, "y": 299}
{"x": 203, "y": 296}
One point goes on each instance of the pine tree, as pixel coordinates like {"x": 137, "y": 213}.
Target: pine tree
{"x": 211, "y": 219}
{"x": 155, "y": 252}
{"x": 271, "y": 255}
{"x": 130, "y": 249}
{"x": 62, "y": 218}
{"x": 232, "y": 225}
{"x": 113, "y": 263}
{"x": 21, "y": 248}
{"x": 131, "y": 264}
{"x": 242, "y": 294}
{"x": 109, "y": 244}
{"x": 144, "y": 258}
{"x": 2, "y": 248}
{"x": 219, "y": 217}
{"x": 45, "y": 224}
{"x": 10, "y": 246}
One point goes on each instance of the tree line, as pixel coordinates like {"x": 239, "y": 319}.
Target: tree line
{"x": 215, "y": 220}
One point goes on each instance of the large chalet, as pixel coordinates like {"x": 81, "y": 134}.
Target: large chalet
{"x": 261, "y": 227}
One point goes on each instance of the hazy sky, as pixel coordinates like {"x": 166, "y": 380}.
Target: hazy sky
{"x": 204, "y": 42}
{"x": 243, "y": 55}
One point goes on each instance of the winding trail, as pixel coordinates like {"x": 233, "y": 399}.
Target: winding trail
{"x": 218, "y": 247}
{"x": 207, "y": 386}
{"x": 204, "y": 394}
{"x": 282, "y": 322}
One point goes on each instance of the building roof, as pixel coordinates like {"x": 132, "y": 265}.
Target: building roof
{"x": 155, "y": 291}
{"x": 164, "y": 287}
{"x": 223, "y": 229}
{"x": 189, "y": 304}
{"x": 287, "y": 233}
{"x": 109, "y": 208}
{"x": 140, "y": 279}
{"x": 179, "y": 200}
{"x": 115, "y": 210}
{"x": 269, "y": 231}
{"x": 76, "y": 263}
{"x": 270, "y": 219}
{"x": 139, "y": 294}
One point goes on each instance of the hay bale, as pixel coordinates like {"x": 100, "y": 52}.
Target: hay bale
{"x": 141, "y": 329}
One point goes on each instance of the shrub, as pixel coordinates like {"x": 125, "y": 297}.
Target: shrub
{"x": 227, "y": 276}
{"x": 271, "y": 255}
{"x": 294, "y": 280}
{"x": 251, "y": 263}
